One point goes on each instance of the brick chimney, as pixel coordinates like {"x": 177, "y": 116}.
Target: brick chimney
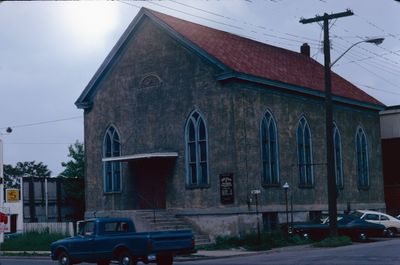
{"x": 305, "y": 49}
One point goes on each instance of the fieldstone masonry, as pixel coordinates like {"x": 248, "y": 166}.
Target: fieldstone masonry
{"x": 152, "y": 87}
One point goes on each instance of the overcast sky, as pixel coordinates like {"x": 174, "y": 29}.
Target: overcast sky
{"x": 50, "y": 50}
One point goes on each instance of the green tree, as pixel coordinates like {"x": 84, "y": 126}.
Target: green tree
{"x": 75, "y": 167}
{"x": 32, "y": 169}
{"x": 24, "y": 169}
{"x": 73, "y": 183}
{"x": 10, "y": 176}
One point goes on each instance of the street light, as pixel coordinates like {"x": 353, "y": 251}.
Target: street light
{"x": 286, "y": 188}
{"x": 375, "y": 41}
{"x": 330, "y": 152}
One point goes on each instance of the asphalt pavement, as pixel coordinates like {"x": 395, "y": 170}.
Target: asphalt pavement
{"x": 381, "y": 252}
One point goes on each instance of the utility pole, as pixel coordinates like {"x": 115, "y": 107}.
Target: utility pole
{"x": 332, "y": 191}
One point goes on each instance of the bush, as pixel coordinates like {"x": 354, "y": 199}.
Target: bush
{"x": 331, "y": 242}
{"x": 31, "y": 241}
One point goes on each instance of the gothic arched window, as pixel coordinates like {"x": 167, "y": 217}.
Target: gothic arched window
{"x": 362, "y": 158}
{"x": 111, "y": 169}
{"x": 269, "y": 150}
{"x": 196, "y": 151}
{"x": 304, "y": 153}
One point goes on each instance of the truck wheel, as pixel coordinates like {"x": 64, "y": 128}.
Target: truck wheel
{"x": 64, "y": 258}
{"x": 164, "y": 260}
{"x": 125, "y": 258}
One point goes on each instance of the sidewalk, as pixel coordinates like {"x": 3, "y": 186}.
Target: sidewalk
{"x": 218, "y": 254}
{"x": 199, "y": 255}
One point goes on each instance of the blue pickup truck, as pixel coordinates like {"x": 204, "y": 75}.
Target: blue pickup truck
{"x": 102, "y": 240}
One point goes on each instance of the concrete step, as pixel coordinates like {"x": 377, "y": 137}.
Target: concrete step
{"x": 168, "y": 221}
{"x": 202, "y": 240}
{"x": 172, "y": 228}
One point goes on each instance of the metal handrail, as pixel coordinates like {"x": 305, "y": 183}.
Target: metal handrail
{"x": 152, "y": 205}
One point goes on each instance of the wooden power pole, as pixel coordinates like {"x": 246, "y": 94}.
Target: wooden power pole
{"x": 332, "y": 190}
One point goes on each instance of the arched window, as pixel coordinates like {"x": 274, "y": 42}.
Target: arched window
{"x": 362, "y": 158}
{"x": 304, "y": 153}
{"x": 196, "y": 151}
{"x": 111, "y": 169}
{"x": 337, "y": 145}
{"x": 269, "y": 150}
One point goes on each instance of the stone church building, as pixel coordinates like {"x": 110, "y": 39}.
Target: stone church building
{"x": 195, "y": 122}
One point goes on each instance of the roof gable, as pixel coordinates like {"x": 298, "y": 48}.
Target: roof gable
{"x": 240, "y": 58}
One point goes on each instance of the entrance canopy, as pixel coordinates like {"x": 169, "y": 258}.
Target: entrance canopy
{"x": 140, "y": 156}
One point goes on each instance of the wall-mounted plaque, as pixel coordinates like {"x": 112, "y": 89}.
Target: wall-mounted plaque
{"x": 226, "y": 188}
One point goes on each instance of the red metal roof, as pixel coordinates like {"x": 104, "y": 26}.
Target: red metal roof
{"x": 262, "y": 60}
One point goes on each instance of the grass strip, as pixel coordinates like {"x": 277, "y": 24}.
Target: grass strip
{"x": 31, "y": 241}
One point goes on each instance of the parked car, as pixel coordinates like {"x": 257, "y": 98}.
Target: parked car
{"x": 102, "y": 240}
{"x": 348, "y": 225}
{"x": 391, "y": 223}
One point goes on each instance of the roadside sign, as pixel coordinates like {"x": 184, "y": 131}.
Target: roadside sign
{"x": 3, "y": 227}
{"x": 4, "y": 224}
{"x": 12, "y": 195}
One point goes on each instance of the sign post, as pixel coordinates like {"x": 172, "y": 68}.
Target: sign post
{"x": 256, "y": 193}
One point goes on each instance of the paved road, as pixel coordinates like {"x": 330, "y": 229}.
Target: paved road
{"x": 378, "y": 253}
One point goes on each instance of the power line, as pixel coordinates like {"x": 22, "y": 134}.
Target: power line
{"x": 377, "y": 27}
{"x": 42, "y": 122}
{"x": 318, "y": 50}
{"x": 378, "y": 57}
{"x": 200, "y": 9}
{"x": 375, "y": 74}
{"x": 234, "y": 26}
{"x": 369, "y": 57}
{"x": 379, "y": 89}
{"x": 361, "y": 38}
{"x": 130, "y": 4}
{"x": 186, "y": 13}
{"x": 377, "y": 64}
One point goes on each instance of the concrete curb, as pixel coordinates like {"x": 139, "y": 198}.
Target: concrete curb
{"x": 200, "y": 255}
{"x": 220, "y": 256}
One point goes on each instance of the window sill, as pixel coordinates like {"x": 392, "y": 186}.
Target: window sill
{"x": 306, "y": 186}
{"x": 193, "y": 187}
{"x": 111, "y": 192}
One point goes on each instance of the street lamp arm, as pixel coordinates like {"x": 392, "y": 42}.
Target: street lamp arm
{"x": 344, "y": 53}
{"x": 376, "y": 41}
